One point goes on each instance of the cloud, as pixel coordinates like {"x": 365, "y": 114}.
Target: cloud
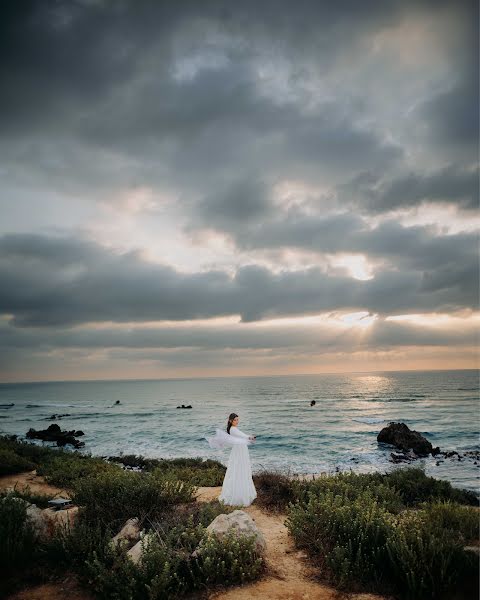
{"x": 449, "y": 185}
{"x": 58, "y": 281}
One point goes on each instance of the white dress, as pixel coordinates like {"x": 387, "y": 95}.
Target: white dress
{"x": 238, "y": 488}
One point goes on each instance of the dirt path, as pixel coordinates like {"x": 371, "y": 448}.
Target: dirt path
{"x": 288, "y": 575}
{"x": 36, "y": 483}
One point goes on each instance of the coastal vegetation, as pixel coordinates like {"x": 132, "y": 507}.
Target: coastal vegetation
{"x": 402, "y": 534}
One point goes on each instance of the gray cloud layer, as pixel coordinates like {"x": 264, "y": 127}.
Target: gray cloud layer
{"x": 50, "y": 282}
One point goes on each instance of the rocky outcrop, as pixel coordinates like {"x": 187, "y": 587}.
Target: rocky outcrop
{"x": 238, "y": 521}
{"x": 399, "y": 435}
{"x": 54, "y": 434}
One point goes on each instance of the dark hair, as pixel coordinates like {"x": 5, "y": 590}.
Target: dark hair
{"x": 230, "y": 419}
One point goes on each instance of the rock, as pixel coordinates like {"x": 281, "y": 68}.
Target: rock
{"x": 59, "y": 518}
{"x": 45, "y": 521}
{"x": 34, "y": 514}
{"x": 399, "y": 435}
{"x": 135, "y": 553}
{"x": 59, "y": 416}
{"x": 53, "y": 433}
{"x": 241, "y": 522}
{"x": 398, "y": 457}
{"x": 129, "y": 534}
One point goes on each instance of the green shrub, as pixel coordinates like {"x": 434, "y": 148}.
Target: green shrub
{"x": 12, "y": 463}
{"x": 352, "y": 486}
{"x": 66, "y": 468}
{"x": 198, "y": 471}
{"x": 275, "y": 490}
{"x": 18, "y": 539}
{"x": 416, "y": 487}
{"x": 32, "y": 452}
{"x": 116, "y": 496}
{"x": 462, "y": 521}
{"x": 358, "y": 535}
{"x": 346, "y": 536}
{"x": 426, "y": 561}
{"x": 41, "y": 500}
{"x": 230, "y": 561}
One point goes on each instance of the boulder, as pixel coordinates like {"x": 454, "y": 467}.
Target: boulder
{"x": 59, "y": 518}
{"x": 135, "y": 553}
{"x": 129, "y": 534}
{"x": 45, "y": 521}
{"x": 240, "y": 522}
{"x": 399, "y": 435}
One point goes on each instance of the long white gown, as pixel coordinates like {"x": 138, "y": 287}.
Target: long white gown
{"x": 238, "y": 488}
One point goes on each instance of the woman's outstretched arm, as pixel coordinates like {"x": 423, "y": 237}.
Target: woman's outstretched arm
{"x": 236, "y": 432}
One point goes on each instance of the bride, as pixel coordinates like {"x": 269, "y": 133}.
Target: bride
{"x": 238, "y": 488}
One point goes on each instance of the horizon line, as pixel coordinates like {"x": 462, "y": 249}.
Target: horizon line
{"x": 232, "y": 376}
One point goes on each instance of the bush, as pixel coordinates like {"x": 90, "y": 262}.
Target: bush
{"x": 347, "y": 537}
{"x": 198, "y": 471}
{"x": 167, "y": 568}
{"x": 275, "y": 490}
{"x": 66, "y": 468}
{"x": 12, "y": 463}
{"x": 18, "y": 540}
{"x": 41, "y": 500}
{"x": 416, "y": 487}
{"x": 352, "y": 486}
{"x": 460, "y": 521}
{"x": 425, "y": 560}
{"x": 27, "y": 450}
{"x": 359, "y": 536}
{"x": 114, "y": 497}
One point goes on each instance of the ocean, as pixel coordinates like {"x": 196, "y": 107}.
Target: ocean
{"x": 338, "y": 433}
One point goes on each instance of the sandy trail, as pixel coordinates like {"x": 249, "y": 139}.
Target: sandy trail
{"x": 288, "y": 575}
{"x": 36, "y": 483}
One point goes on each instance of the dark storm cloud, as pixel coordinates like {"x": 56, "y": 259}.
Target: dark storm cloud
{"x": 451, "y": 114}
{"x": 104, "y": 74}
{"x": 449, "y": 185}
{"x": 52, "y": 282}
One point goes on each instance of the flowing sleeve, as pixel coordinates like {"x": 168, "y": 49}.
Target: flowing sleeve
{"x": 237, "y": 433}
{"x": 222, "y": 439}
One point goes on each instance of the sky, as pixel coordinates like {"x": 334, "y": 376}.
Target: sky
{"x": 197, "y": 189}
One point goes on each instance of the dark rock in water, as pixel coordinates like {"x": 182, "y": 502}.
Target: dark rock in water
{"x": 183, "y": 406}
{"x": 79, "y": 433}
{"x": 59, "y": 416}
{"x": 312, "y": 403}
{"x": 54, "y": 434}
{"x": 399, "y": 435}
{"x": 117, "y": 402}
{"x": 7, "y": 405}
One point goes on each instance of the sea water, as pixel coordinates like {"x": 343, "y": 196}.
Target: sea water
{"x": 338, "y": 433}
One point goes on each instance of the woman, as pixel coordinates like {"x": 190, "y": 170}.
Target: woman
{"x": 238, "y": 488}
